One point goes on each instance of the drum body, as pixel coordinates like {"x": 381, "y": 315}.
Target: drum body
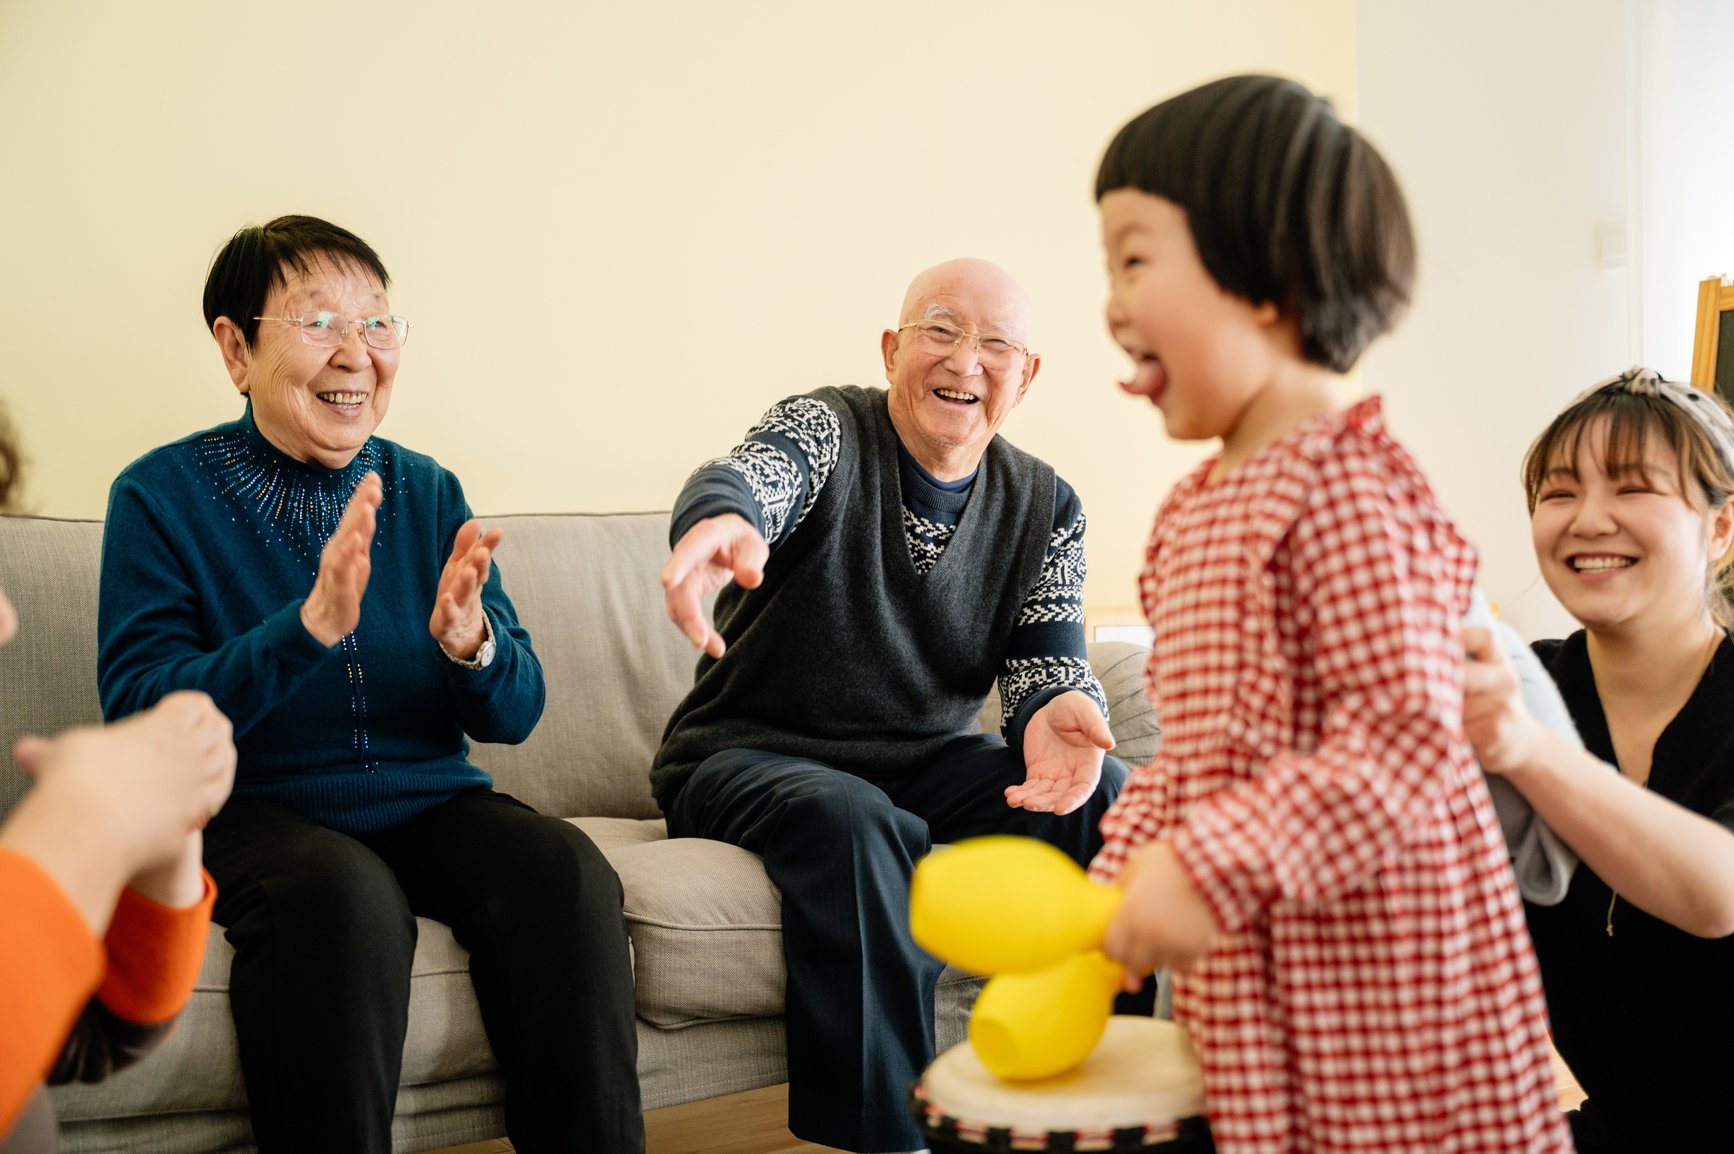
{"x": 1141, "y": 1089}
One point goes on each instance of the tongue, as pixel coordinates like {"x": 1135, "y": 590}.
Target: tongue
{"x": 1148, "y": 381}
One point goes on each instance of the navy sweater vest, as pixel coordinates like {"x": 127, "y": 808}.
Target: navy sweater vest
{"x": 846, "y": 655}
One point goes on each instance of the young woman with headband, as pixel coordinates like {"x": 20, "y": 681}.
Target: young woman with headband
{"x": 1629, "y": 495}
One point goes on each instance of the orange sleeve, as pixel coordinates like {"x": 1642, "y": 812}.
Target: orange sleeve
{"x": 49, "y": 964}
{"x": 154, "y": 955}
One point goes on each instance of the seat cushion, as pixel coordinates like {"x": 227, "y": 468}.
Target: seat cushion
{"x": 706, "y": 927}
{"x": 707, "y": 930}
{"x": 198, "y": 1066}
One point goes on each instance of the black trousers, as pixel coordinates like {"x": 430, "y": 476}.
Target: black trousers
{"x": 859, "y": 1005}
{"x": 323, "y": 925}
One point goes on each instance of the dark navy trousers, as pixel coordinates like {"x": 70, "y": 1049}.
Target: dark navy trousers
{"x": 841, "y": 849}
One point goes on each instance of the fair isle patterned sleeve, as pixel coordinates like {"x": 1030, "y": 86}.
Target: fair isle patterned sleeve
{"x": 771, "y": 478}
{"x": 1046, "y": 656}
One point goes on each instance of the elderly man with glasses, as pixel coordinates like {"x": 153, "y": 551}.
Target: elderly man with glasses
{"x": 882, "y": 557}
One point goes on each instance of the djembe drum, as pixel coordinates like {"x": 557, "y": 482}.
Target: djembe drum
{"x": 1141, "y": 1089}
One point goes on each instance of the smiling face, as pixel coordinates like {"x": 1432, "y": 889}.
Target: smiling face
{"x": 1627, "y": 547}
{"x": 318, "y": 404}
{"x": 946, "y": 407}
{"x": 1201, "y": 355}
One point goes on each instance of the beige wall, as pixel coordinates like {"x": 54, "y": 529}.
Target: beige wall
{"x": 622, "y": 230}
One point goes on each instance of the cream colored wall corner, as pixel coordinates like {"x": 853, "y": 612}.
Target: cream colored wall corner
{"x": 1507, "y": 125}
{"x": 621, "y": 230}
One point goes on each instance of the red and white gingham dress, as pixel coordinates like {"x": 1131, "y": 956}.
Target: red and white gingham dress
{"x": 1375, "y": 989}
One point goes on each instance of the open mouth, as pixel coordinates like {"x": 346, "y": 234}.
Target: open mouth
{"x": 1599, "y": 562}
{"x": 346, "y": 402}
{"x": 956, "y": 396}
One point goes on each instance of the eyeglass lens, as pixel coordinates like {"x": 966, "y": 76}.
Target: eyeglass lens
{"x": 939, "y": 338}
{"x": 326, "y": 328}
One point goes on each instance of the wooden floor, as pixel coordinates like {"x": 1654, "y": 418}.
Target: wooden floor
{"x": 754, "y": 1123}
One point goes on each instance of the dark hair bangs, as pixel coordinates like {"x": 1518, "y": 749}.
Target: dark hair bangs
{"x": 1618, "y": 428}
{"x": 253, "y": 262}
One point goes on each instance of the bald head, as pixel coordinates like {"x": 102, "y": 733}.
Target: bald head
{"x": 949, "y": 395}
{"x": 973, "y": 288}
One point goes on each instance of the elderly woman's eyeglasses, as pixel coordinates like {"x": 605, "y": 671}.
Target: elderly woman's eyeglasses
{"x": 323, "y": 328}
{"x": 943, "y": 339}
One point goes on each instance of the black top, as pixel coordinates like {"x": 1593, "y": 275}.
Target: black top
{"x": 1644, "y": 1016}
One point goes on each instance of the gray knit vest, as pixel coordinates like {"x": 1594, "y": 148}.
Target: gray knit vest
{"x": 844, "y": 654}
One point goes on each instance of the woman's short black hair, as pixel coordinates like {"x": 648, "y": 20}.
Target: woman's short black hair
{"x": 1287, "y": 205}
{"x": 246, "y": 269}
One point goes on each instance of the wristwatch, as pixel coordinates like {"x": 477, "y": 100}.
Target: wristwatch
{"x": 485, "y": 655}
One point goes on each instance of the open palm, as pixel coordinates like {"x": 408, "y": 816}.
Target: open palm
{"x": 1063, "y": 747}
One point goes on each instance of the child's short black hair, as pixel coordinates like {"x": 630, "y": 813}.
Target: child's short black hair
{"x": 1287, "y": 204}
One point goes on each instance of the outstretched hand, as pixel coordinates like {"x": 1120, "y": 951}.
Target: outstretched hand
{"x": 333, "y": 609}
{"x": 458, "y": 622}
{"x": 1063, "y": 747}
{"x": 713, "y": 552}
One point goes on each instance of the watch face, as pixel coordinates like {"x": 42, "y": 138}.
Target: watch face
{"x": 485, "y": 655}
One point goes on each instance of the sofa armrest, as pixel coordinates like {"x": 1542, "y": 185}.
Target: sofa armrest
{"x": 1119, "y": 666}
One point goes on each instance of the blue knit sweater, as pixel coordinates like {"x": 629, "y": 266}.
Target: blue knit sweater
{"x": 211, "y": 545}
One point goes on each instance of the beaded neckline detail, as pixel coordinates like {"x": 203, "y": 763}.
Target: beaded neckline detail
{"x": 287, "y": 500}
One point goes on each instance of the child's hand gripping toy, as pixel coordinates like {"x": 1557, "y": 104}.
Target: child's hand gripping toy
{"x": 1022, "y": 911}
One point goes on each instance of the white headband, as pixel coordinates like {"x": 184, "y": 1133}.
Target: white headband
{"x": 1694, "y": 402}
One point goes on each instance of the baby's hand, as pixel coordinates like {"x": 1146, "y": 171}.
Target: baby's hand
{"x": 1164, "y": 922}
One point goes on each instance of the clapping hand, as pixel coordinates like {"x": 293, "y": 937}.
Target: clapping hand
{"x": 459, "y": 623}
{"x": 333, "y": 609}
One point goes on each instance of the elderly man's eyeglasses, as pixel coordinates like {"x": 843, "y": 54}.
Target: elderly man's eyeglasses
{"x": 323, "y": 328}
{"x": 943, "y": 339}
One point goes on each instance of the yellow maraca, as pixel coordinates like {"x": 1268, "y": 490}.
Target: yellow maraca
{"x": 995, "y": 904}
{"x": 1042, "y": 1023}
{"x": 1021, "y": 910}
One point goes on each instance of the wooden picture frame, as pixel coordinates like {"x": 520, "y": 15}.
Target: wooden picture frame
{"x": 1713, "y": 340}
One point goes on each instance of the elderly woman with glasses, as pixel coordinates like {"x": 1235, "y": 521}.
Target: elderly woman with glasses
{"x": 1631, "y": 502}
{"x": 331, "y": 592}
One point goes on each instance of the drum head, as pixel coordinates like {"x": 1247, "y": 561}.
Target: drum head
{"x": 1142, "y": 1074}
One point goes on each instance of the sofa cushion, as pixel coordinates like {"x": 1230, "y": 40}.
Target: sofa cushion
{"x": 48, "y": 569}
{"x": 707, "y": 931}
{"x": 707, "y": 936}
{"x": 587, "y": 587}
{"x": 198, "y": 1066}
{"x": 616, "y": 833}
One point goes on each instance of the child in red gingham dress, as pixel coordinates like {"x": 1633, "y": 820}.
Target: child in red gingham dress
{"x": 1313, "y": 850}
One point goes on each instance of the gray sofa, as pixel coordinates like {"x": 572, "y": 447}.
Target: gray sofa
{"x": 703, "y": 918}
